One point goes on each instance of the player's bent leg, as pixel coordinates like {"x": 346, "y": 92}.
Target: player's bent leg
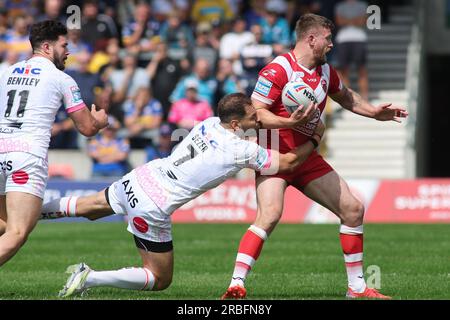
{"x": 156, "y": 273}
{"x": 23, "y": 210}
{"x": 91, "y": 207}
{"x": 270, "y": 195}
{"x": 332, "y": 192}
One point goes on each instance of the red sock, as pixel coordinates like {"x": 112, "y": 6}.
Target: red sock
{"x": 249, "y": 250}
{"x": 352, "y": 246}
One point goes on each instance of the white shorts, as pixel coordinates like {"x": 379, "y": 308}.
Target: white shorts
{"x": 145, "y": 219}
{"x": 23, "y": 172}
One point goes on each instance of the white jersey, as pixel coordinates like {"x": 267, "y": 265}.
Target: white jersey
{"x": 208, "y": 156}
{"x": 31, "y": 93}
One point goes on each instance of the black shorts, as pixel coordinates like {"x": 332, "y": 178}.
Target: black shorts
{"x": 352, "y": 53}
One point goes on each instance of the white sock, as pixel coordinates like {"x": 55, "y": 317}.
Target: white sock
{"x": 59, "y": 208}
{"x": 126, "y": 278}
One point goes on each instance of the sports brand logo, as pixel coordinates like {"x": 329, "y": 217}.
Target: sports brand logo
{"x": 269, "y": 72}
{"x": 263, "y": 86}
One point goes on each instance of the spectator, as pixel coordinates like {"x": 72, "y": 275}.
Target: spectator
{"x": 142, "y": 34}
{"x": 205, "y": 84}
{"x": 128, "y": 80}
{"x": 254, "y": 57}
{"x": 17, "y": 39}
{"x": 232, "y": 42}
{"x": 164, "y": 73}
{"x": 11, "y": 58}
{"x": 351, "y": 41}
{"x": 275, "y": 28}
{"x": 164, "y": 146}
{"x": 52, "y": 11}
{"x": 90, "y": 84}
{"x": 254, "y": 12}
{"x": 142, "y": 113}
{"x": 204, "y": 46}
{"x": 226, "y": 81}
{"x": 96, "y": 29}
{"x": 177, "y": 35}
{"x": 185, "y": 113}
{"x": 165, "y": 7}
{"x": 211, "y": 11}
{"x": 113, "y": 62}
{"x": 76, "y": 47}
{"x": 109, "y": 153}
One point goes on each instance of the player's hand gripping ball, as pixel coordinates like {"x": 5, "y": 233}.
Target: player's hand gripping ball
{"x": 295, "y": 94}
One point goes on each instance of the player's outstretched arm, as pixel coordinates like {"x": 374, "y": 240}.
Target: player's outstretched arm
{"x": 89, "y": 122}
{"x": 353, "y": 102}
{"x": 289, "y": 161}
{"x": 272, "y": 121}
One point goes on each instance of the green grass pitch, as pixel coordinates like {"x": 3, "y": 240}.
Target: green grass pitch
{"x": 298, "y": 261}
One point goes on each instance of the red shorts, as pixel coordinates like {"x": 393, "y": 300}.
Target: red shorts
{"x": 314, "y": 167}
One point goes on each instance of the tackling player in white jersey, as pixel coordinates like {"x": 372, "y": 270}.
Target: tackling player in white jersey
{"x": 211, "y": 153}
{"x": 31, "y": 93}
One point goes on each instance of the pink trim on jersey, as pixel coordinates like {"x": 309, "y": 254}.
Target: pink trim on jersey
{"x": 269, "y": 159}
{"x": 14, "y": 145}
{"x": 76, "y": 108}
{"x": 151, "y": 186}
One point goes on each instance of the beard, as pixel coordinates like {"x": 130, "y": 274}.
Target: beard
{"x": 59, "y": 61}
{"x": 320, "y": 57}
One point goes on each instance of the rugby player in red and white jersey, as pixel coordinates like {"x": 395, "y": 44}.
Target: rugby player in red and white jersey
{"x": 315, "y": 177}
{"x": 31, "y": 93}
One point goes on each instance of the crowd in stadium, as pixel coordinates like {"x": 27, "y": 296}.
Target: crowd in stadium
{"x": 158, "y": 65}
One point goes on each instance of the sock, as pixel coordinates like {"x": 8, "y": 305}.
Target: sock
{"x": 126, "y": 278}
{"x": 352, "y": 245}
{"x": 249, "y": 249}
{"x": 59, "y": 208}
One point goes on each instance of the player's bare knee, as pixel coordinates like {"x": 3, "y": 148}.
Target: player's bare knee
{"x": 268, "y": 216}
{"x": 354, "y": 215}
{"x": 19, "y": 237}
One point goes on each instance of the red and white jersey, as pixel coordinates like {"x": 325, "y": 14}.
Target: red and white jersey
{"x": 31, "y": 93}
{"x": 272, "y": 78}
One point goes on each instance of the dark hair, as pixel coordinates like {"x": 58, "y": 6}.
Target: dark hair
{"x": 232, "y": 107}
{"x": 48, "y": 30}
{"x": 311, "y": 21}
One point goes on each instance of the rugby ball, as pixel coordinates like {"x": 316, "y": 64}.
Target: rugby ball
{"x": 296, "y": 93}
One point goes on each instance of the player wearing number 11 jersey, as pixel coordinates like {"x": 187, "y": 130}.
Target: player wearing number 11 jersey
{"x": 31, "y": 93}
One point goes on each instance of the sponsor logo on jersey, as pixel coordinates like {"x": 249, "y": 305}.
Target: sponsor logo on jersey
{"x": 208, "y": 137}
{"x": 263, "y": 86}
{"x": 131, "y": 197}
{"x": 6, "y": 165}
{"x": 27, "y": 70}
{"x": 76, "y": 95}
